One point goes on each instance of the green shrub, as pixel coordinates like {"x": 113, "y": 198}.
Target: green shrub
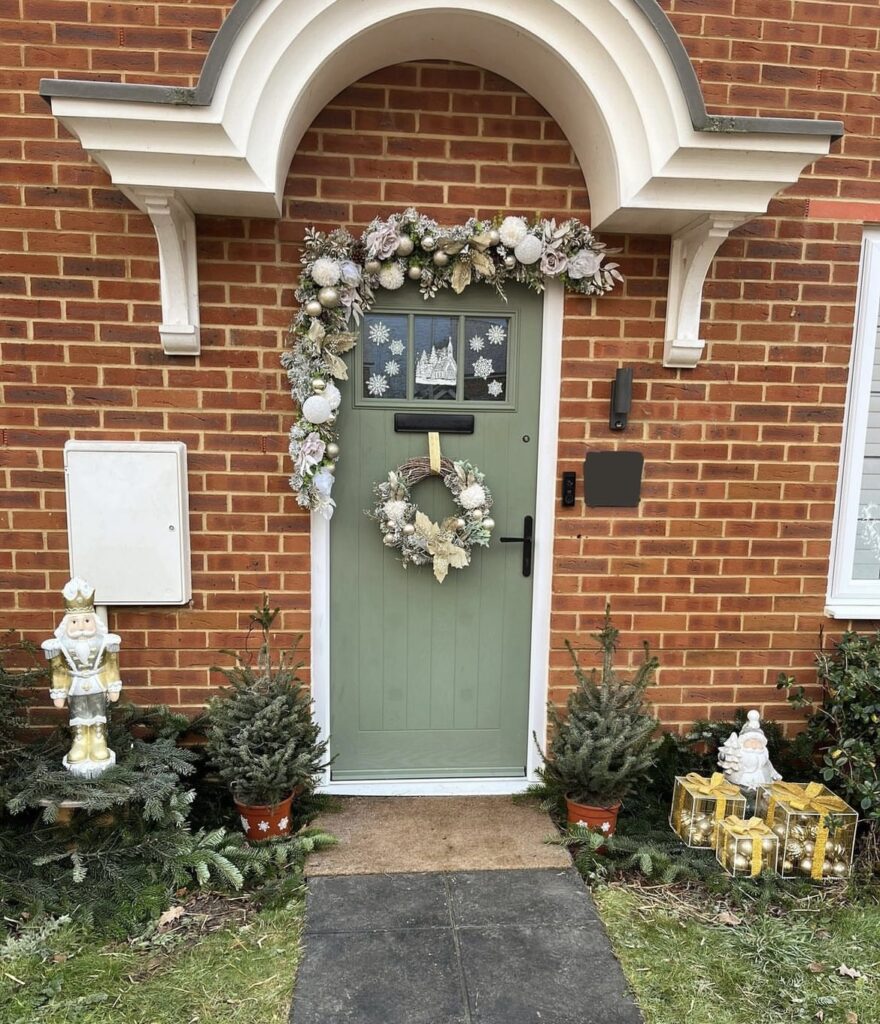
{"x": 603, "y": 748}
{"x": 262, "y": 738}
{"x": 845, "y": 725}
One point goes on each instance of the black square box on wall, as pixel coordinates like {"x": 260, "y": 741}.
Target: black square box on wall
{"x": 613, "y": 479}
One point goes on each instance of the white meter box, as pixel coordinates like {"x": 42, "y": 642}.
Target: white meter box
{"x": 128, "y": 520}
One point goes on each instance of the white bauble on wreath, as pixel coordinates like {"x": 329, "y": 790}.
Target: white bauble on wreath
{"x": 423, "y": 542}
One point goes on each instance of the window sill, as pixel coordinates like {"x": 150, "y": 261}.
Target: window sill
{"x": 853, "y": 608}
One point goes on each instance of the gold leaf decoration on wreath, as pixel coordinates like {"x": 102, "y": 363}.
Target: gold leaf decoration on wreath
{"x": 482, "y": 264}
{"x": 335, "y": 366}
{"x": 461, "y": 277}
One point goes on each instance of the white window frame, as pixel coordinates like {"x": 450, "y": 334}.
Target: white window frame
{"x": 850, "y": 598}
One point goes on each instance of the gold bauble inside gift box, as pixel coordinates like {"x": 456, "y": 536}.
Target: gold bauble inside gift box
{"x": 795, "y": 849}
{"x": 806, "y": 866}
{"x": 840, "y": 869}
{"x": 787, "y": 867}
{"x": 740, "y": 863}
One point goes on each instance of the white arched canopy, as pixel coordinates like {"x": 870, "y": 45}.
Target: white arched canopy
{"x": 612, "y": 73}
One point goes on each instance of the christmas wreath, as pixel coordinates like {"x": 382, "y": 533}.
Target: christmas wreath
{"x": 421, "y": 541}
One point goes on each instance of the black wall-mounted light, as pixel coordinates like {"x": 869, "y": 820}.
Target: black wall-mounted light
{"x": 621, "y": 399}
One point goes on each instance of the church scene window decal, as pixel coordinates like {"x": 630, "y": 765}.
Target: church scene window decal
{"x": 435, "y": 358}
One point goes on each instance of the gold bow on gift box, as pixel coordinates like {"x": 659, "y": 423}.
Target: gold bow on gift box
{"x": 808, "y": 799}
{"x": 716, "y": 787}
{"x": 750, "y": 828}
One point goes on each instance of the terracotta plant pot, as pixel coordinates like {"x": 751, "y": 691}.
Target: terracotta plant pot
{"x": 599, "y": 819}
{"x": 264, "y": 821}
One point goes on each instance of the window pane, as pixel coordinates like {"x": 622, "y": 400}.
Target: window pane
{"x": 866, "y": 562}
{"x": 486, "y": 357}
{"x": 384, "y": 355}
{"x": 435, "y": 357}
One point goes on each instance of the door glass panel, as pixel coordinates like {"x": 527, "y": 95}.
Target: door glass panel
{"x": 435, "y": 357}
{"x": 384, "y": 355}
{"x": 485, "y": 358}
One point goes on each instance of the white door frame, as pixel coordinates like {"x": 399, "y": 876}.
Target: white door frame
{"x": 539, "y": 658}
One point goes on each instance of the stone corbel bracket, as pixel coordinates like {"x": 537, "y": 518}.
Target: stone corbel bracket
{"x": 691, "y": 254}
{"x": 175, "y": 227}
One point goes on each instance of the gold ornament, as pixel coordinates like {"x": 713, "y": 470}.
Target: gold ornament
{"x": 809, "y": 846}
{"x": 768, "y": 844}
{"x": 494, "y": 236}
{"x": 318, "y": 385}
{"x": 440, "y": 259}
{"x": 332, "y": 450}
{"x": 826, "y": 867}
{"x": 314, "y": 308}
{"x": 740, "y": 863}
{"x": 797, "y": 832}
{"x": 388, "y": 540}
{"x": 414, "y": 273}
{"x": 372, "y": 267}
{"x": 489, "y": 523}
{"x": 787, "y": 867}
{"x": 779, "y": 829}
{"x": 460, "y": 524}
{"x": 745, "y": 847}
{"x": 806, "y": 866}
{"x": 329, "y": 297}
{"x": 409, "y": 530}
{"x": 840, "y": 869}
{"x": 795, "y": 849}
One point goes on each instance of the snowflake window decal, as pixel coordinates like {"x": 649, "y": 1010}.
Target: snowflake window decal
{"x": 495, "y": 388}
{"x": 377, "y": 385}
{"x": 476, "y": 343}
{"x": 380, "y": 333}
{"x": 483, "y": 368}
{"x": 396, "y": 347}
{"x": 392, "y": 368}
{"x": 496, "y": 334}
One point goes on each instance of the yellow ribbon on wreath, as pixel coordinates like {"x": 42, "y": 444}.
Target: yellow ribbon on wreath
{"x": 716, "y": 786}
{"x": 750, "y": 828}
{"x": 810, "y": 800}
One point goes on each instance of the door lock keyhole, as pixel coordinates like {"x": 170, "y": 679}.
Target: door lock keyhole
{"x": 526, "y": 439}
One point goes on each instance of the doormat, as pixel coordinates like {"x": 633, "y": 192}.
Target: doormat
{"x": 402, "y": 834}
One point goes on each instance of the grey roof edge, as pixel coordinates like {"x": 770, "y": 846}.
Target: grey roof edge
{"x": 202, "y": 94}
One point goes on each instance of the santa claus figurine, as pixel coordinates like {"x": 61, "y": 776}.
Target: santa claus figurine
{"x": 84, "y": 664}
{"x": 744, "y": 759}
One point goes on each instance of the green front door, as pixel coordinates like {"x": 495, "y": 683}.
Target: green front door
{"x": 431, "y": 680}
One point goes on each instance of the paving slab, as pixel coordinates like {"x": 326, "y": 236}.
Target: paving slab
{"x": 475, "y": 947}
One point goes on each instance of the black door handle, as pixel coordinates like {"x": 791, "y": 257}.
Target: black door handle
{"x": 526, "y": 541}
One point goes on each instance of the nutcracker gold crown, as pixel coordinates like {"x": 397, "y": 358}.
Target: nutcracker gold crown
{"x": 82, "y": 601}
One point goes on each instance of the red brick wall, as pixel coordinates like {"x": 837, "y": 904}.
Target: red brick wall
{"x": 724, "y": 567}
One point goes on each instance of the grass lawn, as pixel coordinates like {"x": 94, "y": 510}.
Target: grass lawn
{"x": 241, "y": 973}
{"x": 686, "y": 967}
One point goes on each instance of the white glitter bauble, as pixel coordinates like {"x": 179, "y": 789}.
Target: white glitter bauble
{"x": 428, "y": 243}
{"x": 316, "y": 409}
{"x": 494, "y": 236}
{"x": 395, "y": 510}
{"x": 391, "y": 276}
{"x": 405, "y": 246}
{"x": 489, "y": 523}
{"x": 325, "y": 272}
{"x": 408, "y": 530}
{"x": 333, "y": 395}
{"x": 529, "y": 250}
{"x": 510, "y": 262}
{"x": 512, "y": 231}
{"x": 388, "y": 540}
{"x": 314, "y": 308}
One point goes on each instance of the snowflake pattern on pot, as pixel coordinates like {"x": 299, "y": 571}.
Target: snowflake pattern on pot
{"x": 377, "y": 385}
{"x": 483, "y": 368}
{"x": 245, "y": 824}
{"x": 495, "y": 388}
{"x": 397, "y": 347}
{"x": 263, "y": 826}
{"x": 392, "y": 368}
{"x": 379, "y": 333}
{"x": 477, "y": 344}
{"x": 282, "y": 822}
{"x": 496, "y": 334}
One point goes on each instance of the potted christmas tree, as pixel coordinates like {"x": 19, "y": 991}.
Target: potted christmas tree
{"x": 262, "y": 738}
{"x": 603, "y": 747}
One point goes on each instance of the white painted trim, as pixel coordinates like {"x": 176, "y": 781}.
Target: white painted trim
{"x": 612, "y": 83}
{"x": 542, "y": 567}
{"x": 848, "y": 598}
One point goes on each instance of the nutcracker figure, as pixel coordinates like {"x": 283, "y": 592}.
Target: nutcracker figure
{"x": 84, "y": 660}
